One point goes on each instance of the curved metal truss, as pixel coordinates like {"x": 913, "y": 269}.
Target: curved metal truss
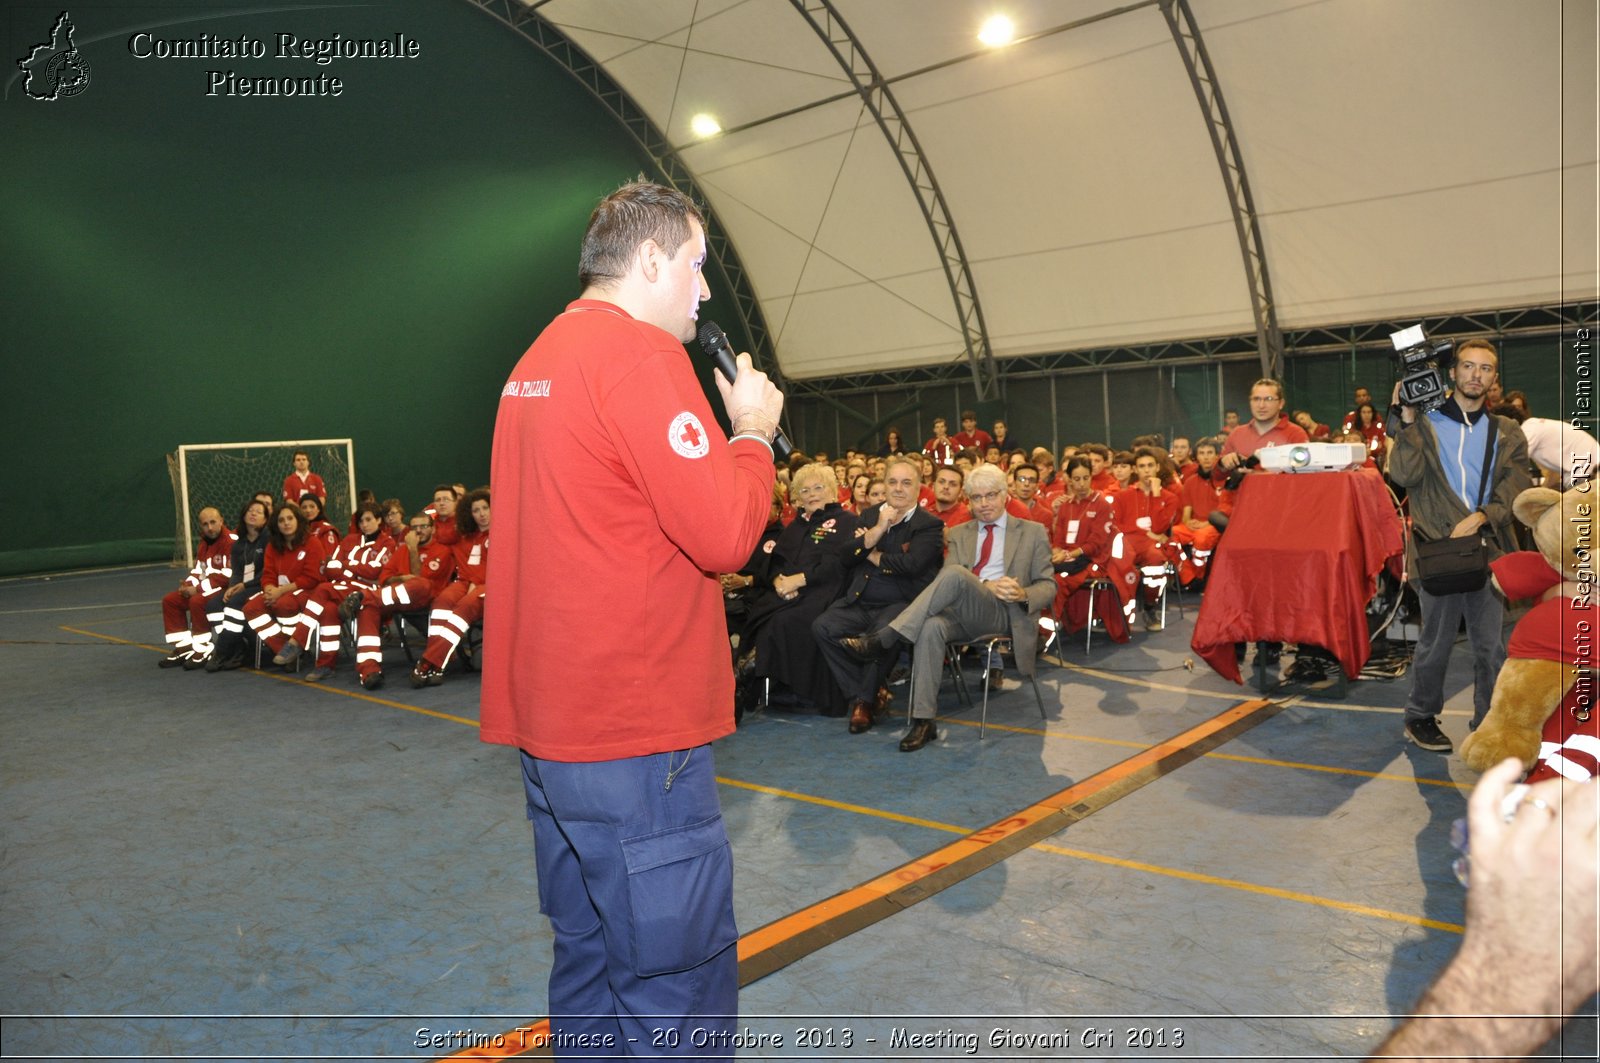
{"x": 1186, "y": 33}
{"x": 543, "y": 34}
{"x": 874, "y": 91}
{"x": 1558, "y": 320}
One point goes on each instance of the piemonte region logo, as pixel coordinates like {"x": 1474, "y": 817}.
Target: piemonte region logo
{"x": 55, "y": 69}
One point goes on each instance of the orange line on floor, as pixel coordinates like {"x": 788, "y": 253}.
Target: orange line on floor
{"x": 781, "y": 930}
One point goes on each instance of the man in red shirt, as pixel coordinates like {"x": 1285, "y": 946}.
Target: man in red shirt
{"x": 613, "y": 484}
{"x": 947, "y": 504}
{"x": 941, "y": 448}
{"x": 1203, "y": 493}
{"x": 1267, "y": 427}
{"x": 1024, "y": 487}
{"x": 303, "y": 481}
{"x": 1102, "y": 479}
{"x": 971, "y": 436}
{"x": 1144, "y": 512}
{"x": 191, "y": 612}
{"x": 1182, "y": 458}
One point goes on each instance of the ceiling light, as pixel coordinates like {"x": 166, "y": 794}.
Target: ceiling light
{"x": 997, "y": 31}
{"x": 704, "y": 125}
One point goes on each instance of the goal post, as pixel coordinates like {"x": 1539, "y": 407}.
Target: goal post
{"x": 225, "y": 475}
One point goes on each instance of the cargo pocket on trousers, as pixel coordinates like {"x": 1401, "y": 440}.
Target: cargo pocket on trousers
{"x": 680, "y": 890}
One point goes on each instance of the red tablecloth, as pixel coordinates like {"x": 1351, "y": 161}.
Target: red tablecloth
{"x": 1298, "y": 564}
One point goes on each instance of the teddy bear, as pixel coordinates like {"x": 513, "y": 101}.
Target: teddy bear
{"x": 1542, "y": 708}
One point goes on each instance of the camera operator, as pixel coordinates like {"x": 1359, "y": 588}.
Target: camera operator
{"x": 1439, "y": 458}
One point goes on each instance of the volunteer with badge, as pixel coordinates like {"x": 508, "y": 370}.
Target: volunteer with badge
{"x": 616, "y": 498}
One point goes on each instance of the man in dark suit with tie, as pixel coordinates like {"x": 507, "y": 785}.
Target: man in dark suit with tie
{"x": 899, "y": 547}
{"x": 996, "y": 580}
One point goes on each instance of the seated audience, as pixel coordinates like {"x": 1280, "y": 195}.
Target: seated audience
{"x": 1143, "y": 513}
{"x": 1315, "y": 432}
{"x": 893, "y": 443}
{"x": 1204, "y": 492}
{"x": 1024, "y": 487}
{"x": 353, "y": 573}
{"x": 993, "y": 583}
{"x": 460, "y": 605}
{"x": 1080, "y": 550}
{"x": 246, "y": 563}
{"x": 291, "y": 568}
{"x": 897, "y": 550}
{"x": 1182, "y": 458}
{"x": 427, "y": 568}
{"x": 804, "y": 576}
{"x": 191, "y": 612}
{"x": 877, "y": 491}
{"x": 318, "y": 525}
{"x": 947, "y": 504}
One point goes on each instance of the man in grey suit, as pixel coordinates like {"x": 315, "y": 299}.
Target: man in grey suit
{"x": 996, "y": 579}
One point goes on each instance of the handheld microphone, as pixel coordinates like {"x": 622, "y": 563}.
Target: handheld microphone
{"x": 715, "y": 343}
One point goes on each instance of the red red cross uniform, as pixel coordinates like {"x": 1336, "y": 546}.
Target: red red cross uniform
{"x": 191, "y": 621}
{"x": 1138, "y": 517}
{"x": 1085, "y": 525}
{"x": 460, "y": 605}
{"x": 1202, "y": 494}
{"x": 437, "y": 563}
{"x": 357, "y": 567}
{"x": 294, "y": 487}
{"x": 300, "y": 568}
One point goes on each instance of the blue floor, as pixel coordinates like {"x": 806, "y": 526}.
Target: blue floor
{"x": 244, "y": 864}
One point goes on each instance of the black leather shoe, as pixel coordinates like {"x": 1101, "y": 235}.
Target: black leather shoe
{"x": 922, "y": 732}
{"x": 419, "y": 675}
{"x": 864, "y": 648}
{"x": 174, "y": 661}
{"x": 372, "y": 681}
{"x": 860, "y": 717}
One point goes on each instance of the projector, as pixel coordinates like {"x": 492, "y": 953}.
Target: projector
{"x": 1313, "y": 457}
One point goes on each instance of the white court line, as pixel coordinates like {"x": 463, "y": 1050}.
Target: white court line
{"x": 78, "y": 608}
{"x": 91, "y": 573}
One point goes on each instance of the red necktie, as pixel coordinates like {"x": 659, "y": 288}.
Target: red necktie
{"x": 988, "y": 547}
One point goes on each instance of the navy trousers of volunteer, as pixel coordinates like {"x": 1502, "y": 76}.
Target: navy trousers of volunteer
{"x": 637, "y": 846}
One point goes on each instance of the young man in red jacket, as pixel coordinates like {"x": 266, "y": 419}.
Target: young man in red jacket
{"x": 614, "y": 488}
{"x": 1144, "y": 512}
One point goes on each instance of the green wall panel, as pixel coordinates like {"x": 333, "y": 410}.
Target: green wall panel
{"x": 182, "y": 268}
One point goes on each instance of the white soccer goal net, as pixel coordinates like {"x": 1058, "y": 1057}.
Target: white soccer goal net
{"x": 225, "y": 475}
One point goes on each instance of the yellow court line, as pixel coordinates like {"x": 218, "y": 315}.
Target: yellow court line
{"x": 1112, "y": 861}
{"x": 285, "y": 678}
{"x": 1155, "y": 869}
{"x": 1264, "y": 761}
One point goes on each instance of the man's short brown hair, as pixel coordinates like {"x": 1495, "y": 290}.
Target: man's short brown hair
{"x": 634, "y": 213}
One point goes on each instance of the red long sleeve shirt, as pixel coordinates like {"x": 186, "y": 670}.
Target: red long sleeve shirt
{"x": 614, "y": 489}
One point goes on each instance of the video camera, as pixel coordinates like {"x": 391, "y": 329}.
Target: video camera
{"x": 1422, "y": 366}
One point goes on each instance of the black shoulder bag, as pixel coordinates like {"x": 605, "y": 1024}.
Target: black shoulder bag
{"x": 1460, "y": 565}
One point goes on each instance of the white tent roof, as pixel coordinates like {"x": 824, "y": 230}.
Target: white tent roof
{"x": 1407, "y": 157}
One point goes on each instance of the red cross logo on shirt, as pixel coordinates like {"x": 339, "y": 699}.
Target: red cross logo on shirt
{"x": 688, "y": 436}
